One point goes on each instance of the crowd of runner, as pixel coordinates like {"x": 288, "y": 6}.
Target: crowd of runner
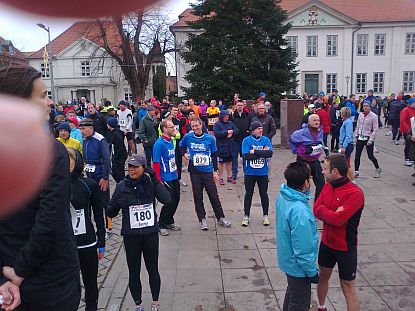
{"x": 41, "y": 251}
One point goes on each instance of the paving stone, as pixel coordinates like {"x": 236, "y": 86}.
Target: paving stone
{"x": 384, "y": 274}
{"x": 235, "y": 280}
{"x": 399, "y": 298}
{"x": 241, "y": 259}
{"x": 369, "y": 299}
{"x": 257, "y": 300}
{"x": 197, "y": 259}
{"x": 198, "y": 281}
{"x": 236, "y": 241}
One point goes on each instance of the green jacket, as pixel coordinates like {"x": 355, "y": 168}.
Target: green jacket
{"x": 148, "y": 131}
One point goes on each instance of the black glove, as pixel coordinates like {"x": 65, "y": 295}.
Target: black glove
{"x": 308, "y": 150}
{"x": 314, "y": 279}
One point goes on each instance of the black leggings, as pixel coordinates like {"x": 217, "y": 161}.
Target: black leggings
{"x": 360, "y": 144}
{"x": 148, "y": 245}
{"x": 88, "y": 259}
{"x": 262, "y": 182}
{"x": 168, "y": 210}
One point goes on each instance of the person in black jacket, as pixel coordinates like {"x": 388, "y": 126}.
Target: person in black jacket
{"x": 135, "y": 197}
{"x": 336, "y": 124}
{"x": 117, "y": 149}
{"x": 100, "y": 122}
{"x": 37, "y": 247}
{"x": 85, "y": 200}
{"x": 242, "y": 120}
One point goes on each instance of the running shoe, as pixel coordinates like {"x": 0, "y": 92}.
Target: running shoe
{"x": 245, "y": 221}
{"x": 377, "y": 173}
{"x": 388, "y": 133}
{"x": 231, "y": 180}
{"x": 221, "y": 182}
{"x": 408, "y": 162}
{"x": 396, "y": 142}
{"x": 322, "y": 309}
{"x": 265, "y": 221}
{"x": 174, "y": 227}
{"x": 140, "y": 308}
{"x": 183, "y": 184}
{"x": 356, "y": 174}
{"x": 155, "y": 307}
{"x": 222, "y": 221}
{"x": 163, "y": 232}
{"x": 203, "y": 224}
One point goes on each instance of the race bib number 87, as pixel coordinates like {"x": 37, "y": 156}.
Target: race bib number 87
{"x": 200, "y": 159}
{"x": 141, "y": 216}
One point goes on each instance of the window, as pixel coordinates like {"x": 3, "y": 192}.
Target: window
{"x": 361, "y": 82}
{"x": 49, "y": 93}
{"x": 362, "y": 44}
{"x": 101, "y": 66}
{"x": 292, "y": 43}
{"x": 410, "y": 43}
{"x": 312, "y": 45}
{"x": 85, "y": 69}
{"x": 380, "y": 40}
{"x": 408, "y": 81}
{"x": 378, "y": 81}
{"x": 44, "y": 70}
{"x": 128, "y": 96}
{"x": 331, "y": 45}
{"x": 331, "y": 82}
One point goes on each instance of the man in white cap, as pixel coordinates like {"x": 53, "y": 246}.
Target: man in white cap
{"x": 311, "y": 110}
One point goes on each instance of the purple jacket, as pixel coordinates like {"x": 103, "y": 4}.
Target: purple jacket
{"x": 203, "y": 109}
{"x": 306, "y": 145}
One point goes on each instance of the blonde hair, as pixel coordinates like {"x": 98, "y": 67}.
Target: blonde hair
{"x": 345, "y": 112}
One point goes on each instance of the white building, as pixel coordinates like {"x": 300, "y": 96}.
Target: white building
{"x": 81, "y": 67}
{"x": 352, "y": 45}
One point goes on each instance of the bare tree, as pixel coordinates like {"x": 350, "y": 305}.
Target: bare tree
{"x": 137, "y": 42}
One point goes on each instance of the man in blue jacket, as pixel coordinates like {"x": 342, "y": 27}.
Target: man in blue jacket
{"x": 297, "y": 237}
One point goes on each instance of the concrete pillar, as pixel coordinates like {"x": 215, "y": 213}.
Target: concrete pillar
{"x": 292, "y": 111}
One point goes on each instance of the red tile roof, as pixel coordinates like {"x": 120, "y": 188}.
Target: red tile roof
{"x": 87, "y": 29}
{"x": 360, "y": 10}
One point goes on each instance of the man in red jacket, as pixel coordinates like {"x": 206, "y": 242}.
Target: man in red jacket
{"x": 405, "y": 128}
{"x": 339, "y": 206}
{"x": 325, "y": 123}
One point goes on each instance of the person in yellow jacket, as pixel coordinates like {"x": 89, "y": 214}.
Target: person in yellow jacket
{"x": 212, "y": 114}
{"x": 65, "y": 137}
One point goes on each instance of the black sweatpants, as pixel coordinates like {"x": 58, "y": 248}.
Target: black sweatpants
{"x": 316, "y": 173}
{"x": 179, "y": 160}
{"x": 65, "y": 296}
{"x": 335, "y": 134}
{"x": 168, "y": 210}
{"x": 395, "y": 127}
{"x": 118, "y": 170}
{"x": 148, "y": 245}
{"x": 360, "y": 144}
{"x": 407, "y": 148}
{"x": 205, "y": 180}
{"x": 262, "y": 182}
{"x": 88, "y": 259}
{"x": 298, "y": 294}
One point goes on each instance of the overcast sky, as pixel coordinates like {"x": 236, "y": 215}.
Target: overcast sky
{"x": 20, "y": 27}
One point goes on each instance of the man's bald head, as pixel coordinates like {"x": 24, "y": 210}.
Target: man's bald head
{"x": 314, "y": 121}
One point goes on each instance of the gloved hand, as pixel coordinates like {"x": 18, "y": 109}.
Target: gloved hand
{"x": 314, "y": 279}
{"x": 308, "y": 150}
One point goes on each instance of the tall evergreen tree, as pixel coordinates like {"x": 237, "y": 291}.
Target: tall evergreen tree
{"x": 240, "y": 50}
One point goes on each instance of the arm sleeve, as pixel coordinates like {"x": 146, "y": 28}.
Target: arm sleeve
{"x": 113, "y": 206}
{"x": 349, "y": 134}
{"x": 375, "y": 129}
{"x": 272, "y": 128}
{"x": 156, "y": 168}
{"x": 218, "y": 132}
{"x": 215, "y": 161}
{"x": 142, "y": 130}
{"x": 53, "y": 212}
{"x": 302, "y": 235}
{"x": 106, "y": 159}
{"x": 98, "y": 208}
{"x": 263, "y": 153}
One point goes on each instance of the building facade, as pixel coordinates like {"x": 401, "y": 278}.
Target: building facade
{"x": 9, "y": 55}
{"x": 351, "y": 46}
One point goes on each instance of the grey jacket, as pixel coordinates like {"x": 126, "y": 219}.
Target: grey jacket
{"x": 268, "y": 125}
{"x": 148, "y": 130}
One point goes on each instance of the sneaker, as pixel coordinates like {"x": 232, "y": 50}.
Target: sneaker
{"x": 163, "y": 232}
{"x": 413, "y": 175}
{"x": 375, "y": 150}
{"x": 140, "y": 308}
{"x": 245, "y": 221}
{"x": 155, "y": 307}
{"x": 183, "y": 184}
{"x": 356, "y": 174}
{"x": 265, "y": 222}
{"x": 184, "y": 169}
{"x": 174, "y": 227}
{"x": 396, "y": 142}
{"x": 221, "y": 182}
{"x": 224, "y": 222}
{"x": 408, "y": 162}
{"x": 231, "y": 180}
{"x": 203, "y": 224}
{"x": 377, "y": 173}
{"x": 388, "y": 133}
{"x": 322, "y": 309}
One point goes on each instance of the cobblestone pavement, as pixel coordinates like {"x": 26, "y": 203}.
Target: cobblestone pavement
{"x": 234, "y": 269}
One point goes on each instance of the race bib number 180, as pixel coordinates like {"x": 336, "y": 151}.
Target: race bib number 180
{"x": 200, "y": 159}
{"x": 141, "y": 216}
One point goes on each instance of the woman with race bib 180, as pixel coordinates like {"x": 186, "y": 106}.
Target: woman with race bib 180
{"x": 135, "y": 197}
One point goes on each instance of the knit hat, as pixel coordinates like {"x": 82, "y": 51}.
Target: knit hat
{"x": 64, "y": 126}
{"x": 86, "y": 122}
{"x": 113, "y": 122}
{"x": 74, "y": 121}
{"x": 411, "y": 101}
{"x": 254, "y": 125}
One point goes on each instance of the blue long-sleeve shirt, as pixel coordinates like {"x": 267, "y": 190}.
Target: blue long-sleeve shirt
{"x": 346, "y": 133}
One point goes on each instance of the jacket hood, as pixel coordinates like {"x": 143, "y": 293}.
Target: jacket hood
{"x": 294, "y": 195}
{"x": 222, "y": 114}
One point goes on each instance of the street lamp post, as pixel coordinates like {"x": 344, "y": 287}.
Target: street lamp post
{"x": 52, "y": 82}
{"x": 347, "y": 85}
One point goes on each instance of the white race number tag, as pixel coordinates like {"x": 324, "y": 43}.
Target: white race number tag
{"x": 212, "y": 121}
{"x": 316, "y": 150}
{"x": 172, "y": 165}
{"x": 78, "y": 221}
{"x": 257, "y": 163}
{"x": 200, "y": 159}
{"x": 363, "y": 138}
{"x": 90, "y": 168}
{"x": 141, "y": 216}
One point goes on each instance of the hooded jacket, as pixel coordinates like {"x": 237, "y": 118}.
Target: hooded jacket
{"x": 297, "y": 237}
{"x": 85, "y": 200}
{"x": 306, "y": 145}
{"x": 226, "y": 146}
{"x": 148, "y": 131}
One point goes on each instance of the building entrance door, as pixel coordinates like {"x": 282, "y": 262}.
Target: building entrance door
{"x": 311, "y": 83}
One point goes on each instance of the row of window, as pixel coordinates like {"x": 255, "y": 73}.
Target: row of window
{"x": 85, "y": 70}
{"x": 378, "y": 82}
{"x": 362, "y": 44}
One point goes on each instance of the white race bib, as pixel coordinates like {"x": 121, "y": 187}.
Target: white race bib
{"x": 362, "y": 138}
{"x": 90, "y": 168}
{"x": 141, "y": 216}
{"x": 200, "y": 159}
{"x": 78, "y": 221}
{"x": 172, "y": 165}
{"x": 177, "y": 127}
{"x": 257, "y": 163}
{"x": 212, "y": 121}
{"x": 316, "y": 150}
